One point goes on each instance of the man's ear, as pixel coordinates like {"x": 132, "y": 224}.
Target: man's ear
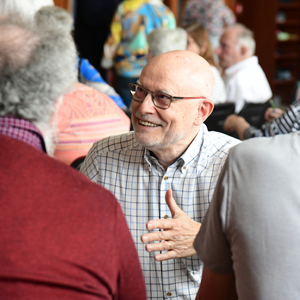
{"x": 205, "y": 108}
{"x": 244, "y": 50}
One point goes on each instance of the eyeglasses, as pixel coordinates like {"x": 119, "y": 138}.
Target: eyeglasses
{"x": 159, "y": 99}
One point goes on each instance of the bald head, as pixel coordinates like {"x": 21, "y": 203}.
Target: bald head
{"x": 187, "y": 71}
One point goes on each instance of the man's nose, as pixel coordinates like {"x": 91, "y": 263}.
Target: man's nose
{"x": 147, "y": 103}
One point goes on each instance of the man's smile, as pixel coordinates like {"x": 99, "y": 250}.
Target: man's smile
{"x": 145, "y": 123}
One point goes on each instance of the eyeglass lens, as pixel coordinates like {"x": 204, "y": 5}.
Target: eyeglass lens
{"x": 161, "y": 100}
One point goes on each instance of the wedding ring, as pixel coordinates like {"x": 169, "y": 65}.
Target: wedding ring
{"x": 170, "y": 246}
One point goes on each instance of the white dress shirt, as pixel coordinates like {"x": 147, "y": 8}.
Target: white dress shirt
{"x": 246, "y": 81}
{"x": 140, "y": 183}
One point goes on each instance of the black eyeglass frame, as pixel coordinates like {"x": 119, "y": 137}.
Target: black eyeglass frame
{"x": 153, "y": 98}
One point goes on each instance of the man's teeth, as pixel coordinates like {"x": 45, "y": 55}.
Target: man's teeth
{"x": 147, "y": 123}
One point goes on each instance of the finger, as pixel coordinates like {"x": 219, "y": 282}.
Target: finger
{"x": 156, "y": 236}
{"x": 160, "y": 224}
{"x": 167, "y": 255}
{"x": 172, "y": 204}
{"x": 163, "y": 246}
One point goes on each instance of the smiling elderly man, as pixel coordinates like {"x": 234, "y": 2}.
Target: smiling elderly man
{"x": 170, "y": 151}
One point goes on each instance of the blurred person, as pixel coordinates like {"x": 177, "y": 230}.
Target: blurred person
{"x": 88, "y": 75}
{"x": 245, "y": 80}
{"x": 199, "y": 43}
{"x": 277, "y": 122}
{"x": 85, "y": 115}
{"x": 162, "y": 40}
{"x": 246, "y": 239}
{"x": 57, "y": 228}
{"x": 214, "y": 15}
{"x": 126, "y": 49}
{"x": 170, "y": 156}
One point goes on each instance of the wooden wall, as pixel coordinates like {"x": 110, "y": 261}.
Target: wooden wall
{"x": 66, "y": 4}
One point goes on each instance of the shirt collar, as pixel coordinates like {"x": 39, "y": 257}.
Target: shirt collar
{"x": 22, "y": 130}
{"x": 241, "y": 64}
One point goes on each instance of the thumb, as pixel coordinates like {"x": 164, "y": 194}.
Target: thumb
{"x": 172, "y": 204}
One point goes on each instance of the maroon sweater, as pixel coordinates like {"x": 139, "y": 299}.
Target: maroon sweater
{"x": 62, "y": 236}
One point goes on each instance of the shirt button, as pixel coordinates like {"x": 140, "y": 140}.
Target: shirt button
{"x": 166, "y": 216}
{"x": 166, "y": 178}
{"x": 184, "y": 167}
{"x": 169, "y": 294}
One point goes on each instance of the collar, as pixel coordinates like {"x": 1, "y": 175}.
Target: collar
{"x": 241, "y": 65}
{"x": 184, "y": 161}
{"x": 23, "y": 130}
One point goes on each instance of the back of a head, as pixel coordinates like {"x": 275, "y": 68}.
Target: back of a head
{"x": 201, "y": 37}
{"x": 162, "y": 40}
{"x": 245, "y": 38}
{"x": 53, "y": 18}
{"x": 36, "y": 68}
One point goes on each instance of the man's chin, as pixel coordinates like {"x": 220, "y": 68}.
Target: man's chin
{"x": 146, "y": 141}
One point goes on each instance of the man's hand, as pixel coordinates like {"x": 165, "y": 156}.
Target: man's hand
{"x": 232, "y": 122}
{"x": 271, "y": 114}
{"x": 177, "y": 235}
{"x": 236, "y": 123}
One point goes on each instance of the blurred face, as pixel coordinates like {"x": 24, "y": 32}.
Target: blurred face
{"x": 192, "y": 45}
{"x": 162, "y": 130}
{"x": 228, "y": 52}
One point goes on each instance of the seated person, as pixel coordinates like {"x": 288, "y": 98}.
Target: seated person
{"x": 62, "y": 237}
{"x": 245, "y": 81}
{"x": 277, "y": 122}
{"x": 85, "y": 115}
{"x": 164, "y": 172}
{"x": 249, "y": 237}
{"x": 199, "y": 43}
{"x": 162, "y": 40}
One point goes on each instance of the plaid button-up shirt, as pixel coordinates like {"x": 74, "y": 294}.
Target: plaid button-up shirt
{"x": 139, "y": 182}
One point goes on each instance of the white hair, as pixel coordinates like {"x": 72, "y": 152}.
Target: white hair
{"x": 24, "y": 8}
{"x": 245, "y": 38}
{"x": 163, "y": 40}
{"x": 36, "y": 68}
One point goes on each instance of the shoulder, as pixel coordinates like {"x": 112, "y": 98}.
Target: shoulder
{"x": 119, "y": 143}
{"x": 39, "y": 172}
{"x": 262, "y": 151}
{"x": 218, "y": 143}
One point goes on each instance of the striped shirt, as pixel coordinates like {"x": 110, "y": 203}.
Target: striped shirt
{"x": 85, "y": 117}
{"x": 140, "y": 183}
{"x": 287, "y": 123}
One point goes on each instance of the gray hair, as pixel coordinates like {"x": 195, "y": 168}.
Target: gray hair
{"x": 24, "y": 8}
{"x": 36, "y": 68}
{"x": 53, "y": 17}
{"x": 163, "y": 40}
{"x": 245, "y": 38}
